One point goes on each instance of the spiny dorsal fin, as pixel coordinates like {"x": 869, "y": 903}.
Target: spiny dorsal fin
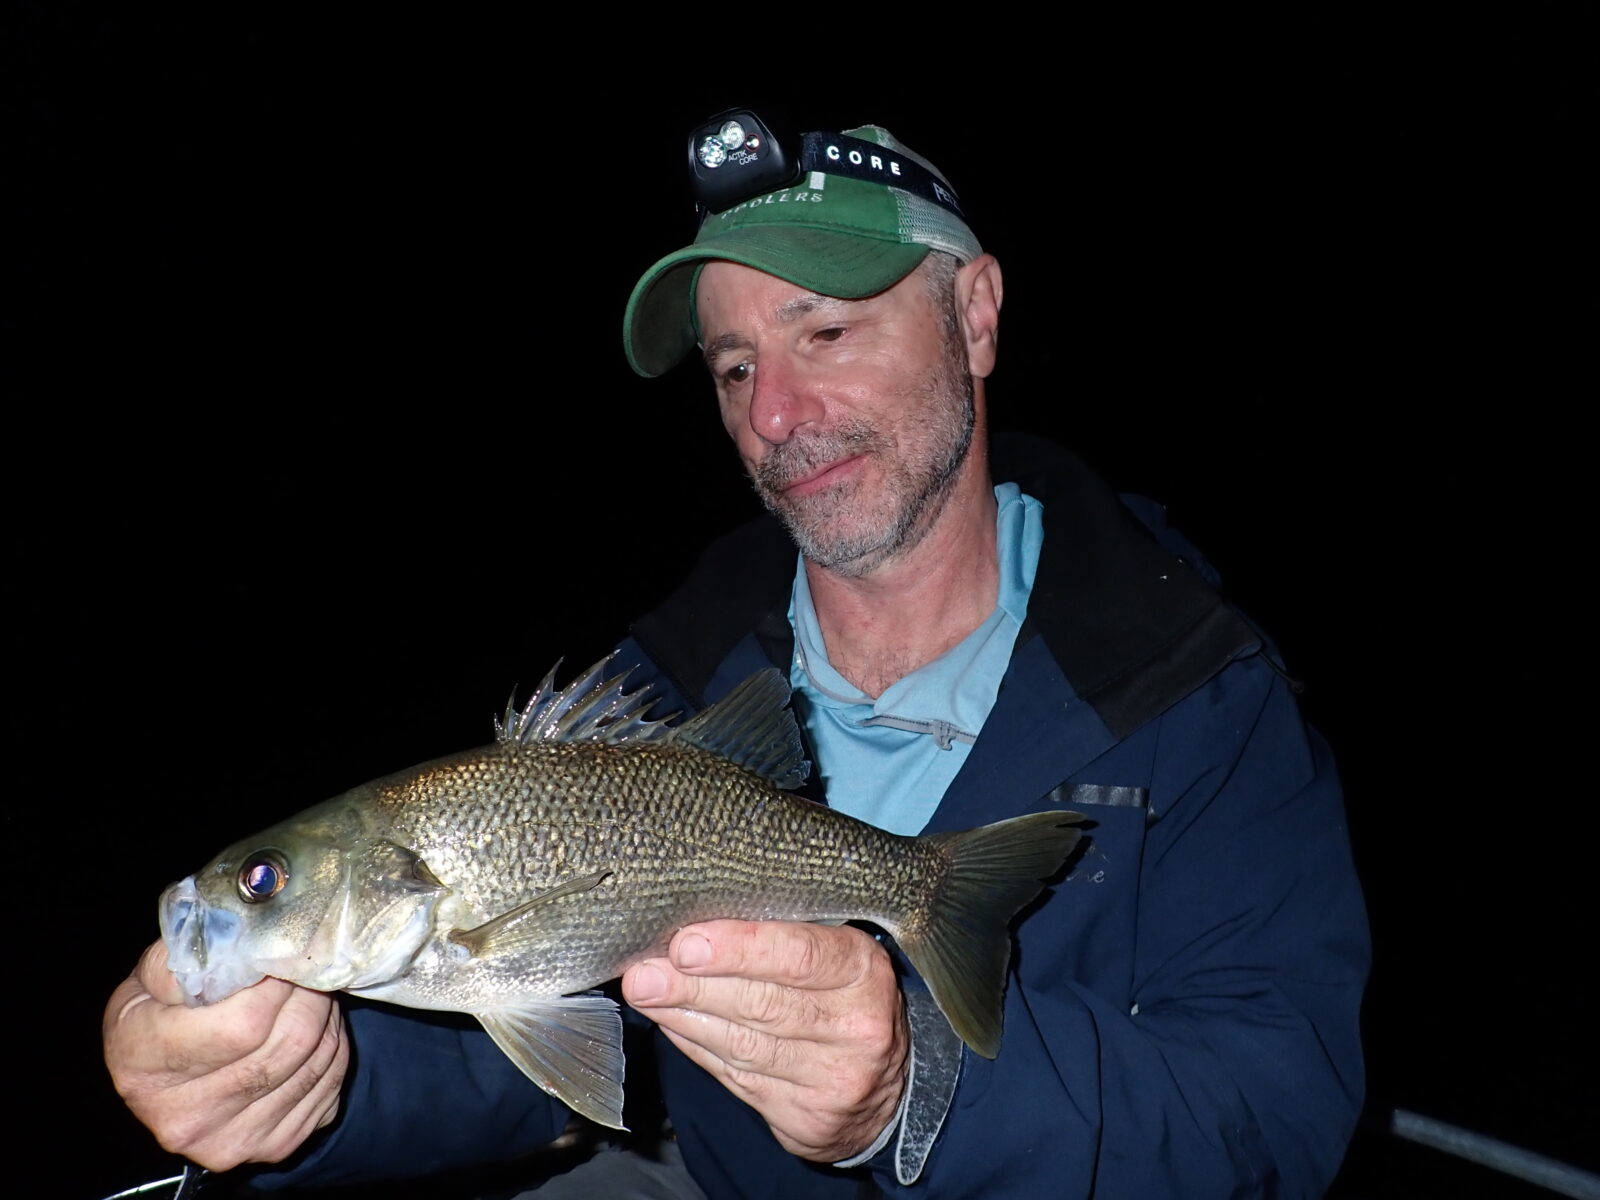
{"x": 589, "y": 709}
{"x": 753, "y": 726}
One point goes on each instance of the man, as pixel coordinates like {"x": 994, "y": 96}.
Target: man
{"x": 1181, "y": 1017}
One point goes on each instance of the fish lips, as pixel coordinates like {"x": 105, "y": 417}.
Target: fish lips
{"x": 203, "y": 946}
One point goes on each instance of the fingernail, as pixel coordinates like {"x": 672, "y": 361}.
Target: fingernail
{"x": 647, "y": 985}
{"x": 694, "y": 951}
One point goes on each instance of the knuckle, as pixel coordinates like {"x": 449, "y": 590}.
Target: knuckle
{"x": 294, "y": 1039}
{"x": 871, "y": 968}
{"x": 748, "y": 1049}
{"x": 872, "y": 1024}
{"x": 278, "y": 1144}
{"x": 853, "y": 1087}
{"x": 261, "y": 1144}
{"x": 276, "y": 1067}
{"x": 863, "y": 1028}
{"x": 807, "y": 959}
{"x": 765, "y": 1004}
{"x": 130, "y": 1085}
{"x": 878, "y": 964}
{"x": 327, "y": 1110}
{"x": 811, "y": 1131}
{"x": 188, "y": 1134}
{"x": 746, "y": 1085}
{"x": 299, "y": 1028}
{"x": 253, "y": 1079}
{"x": 243, "y": 1035}
{"x": 332, "y": 1048}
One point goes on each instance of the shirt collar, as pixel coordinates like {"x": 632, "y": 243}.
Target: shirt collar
{"x": 957, "y": 689}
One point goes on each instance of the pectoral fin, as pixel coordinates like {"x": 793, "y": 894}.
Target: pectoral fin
{"x": 571, "y": 1046}
{"x": 521, "y": 928}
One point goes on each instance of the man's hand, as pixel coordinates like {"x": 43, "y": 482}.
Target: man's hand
{"x": 246, "y": 1080}
{"x": 804, "y": 1023}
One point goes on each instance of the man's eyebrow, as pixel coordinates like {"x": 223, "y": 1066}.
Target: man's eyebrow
{"x": 802, "y": 306}
{"x": 721, "y": 344}
{"x": 788, "y": 312}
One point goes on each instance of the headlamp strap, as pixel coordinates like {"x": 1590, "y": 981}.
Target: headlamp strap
{"x": 840, "y": 154}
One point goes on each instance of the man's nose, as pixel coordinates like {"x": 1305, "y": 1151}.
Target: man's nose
{"x": 782, "y": 400}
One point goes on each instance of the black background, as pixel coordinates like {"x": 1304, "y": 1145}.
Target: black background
{"x": 297, "y": 317}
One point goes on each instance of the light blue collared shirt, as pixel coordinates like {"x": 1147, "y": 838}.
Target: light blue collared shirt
{"x": 889, "y": 761}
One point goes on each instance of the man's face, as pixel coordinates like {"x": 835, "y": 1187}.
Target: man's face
{"x": 852, "y": 416}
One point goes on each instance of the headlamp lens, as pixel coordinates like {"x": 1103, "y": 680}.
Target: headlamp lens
{"x": 732, "y": 135}
{"x": 712, "y": 152}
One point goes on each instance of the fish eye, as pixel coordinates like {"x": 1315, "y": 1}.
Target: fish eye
{"x": 262, "y": 876}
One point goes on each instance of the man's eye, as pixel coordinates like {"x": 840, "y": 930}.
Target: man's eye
{"x": 831, "y": 334}
{"x": 737, "y": 373}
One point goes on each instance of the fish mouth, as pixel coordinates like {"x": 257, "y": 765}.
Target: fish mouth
{"x": 202, "y": 946}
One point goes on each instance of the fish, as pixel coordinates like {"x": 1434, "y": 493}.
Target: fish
{"x": 512, "y": 880}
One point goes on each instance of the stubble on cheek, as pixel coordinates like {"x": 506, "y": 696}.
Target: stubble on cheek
{"x": 826, "y": 524}
{"x": 857, "y": 523}
{"x": 799, "y": 457}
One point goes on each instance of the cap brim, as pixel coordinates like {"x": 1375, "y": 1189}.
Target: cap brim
{"x": 657, "y": 327}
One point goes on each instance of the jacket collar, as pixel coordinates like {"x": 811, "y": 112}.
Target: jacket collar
{"x": 1131, "y": 629}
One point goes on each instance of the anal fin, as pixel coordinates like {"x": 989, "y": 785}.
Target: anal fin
{"x": 571, "y": 1046}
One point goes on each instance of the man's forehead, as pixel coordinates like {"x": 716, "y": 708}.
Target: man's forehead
{"x": 743, "y": 292}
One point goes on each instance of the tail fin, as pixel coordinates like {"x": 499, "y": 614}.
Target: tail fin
{"x": 962, "y": 946}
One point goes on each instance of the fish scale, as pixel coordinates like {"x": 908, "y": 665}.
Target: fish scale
{"x": 631, "y": 821}
{"x": 506, "y": 881}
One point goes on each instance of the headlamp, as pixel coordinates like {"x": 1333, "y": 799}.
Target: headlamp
{"x": 736, "y": 156}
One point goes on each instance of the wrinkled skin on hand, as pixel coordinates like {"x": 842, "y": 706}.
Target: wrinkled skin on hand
{"x": 804, "y": 1023}
{"x": 246, "y": 1080}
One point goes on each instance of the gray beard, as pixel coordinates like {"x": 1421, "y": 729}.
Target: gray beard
{"x": 919, "y": 490}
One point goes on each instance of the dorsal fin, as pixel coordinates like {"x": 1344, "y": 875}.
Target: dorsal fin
{"x": 753, "y": 726}
{"x": 589, "y": 709}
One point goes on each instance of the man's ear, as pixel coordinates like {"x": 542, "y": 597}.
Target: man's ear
{"x": 979, "y": 291}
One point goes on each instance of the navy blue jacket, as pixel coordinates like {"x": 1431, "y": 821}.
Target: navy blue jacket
{"x": 1182, "y": 1018}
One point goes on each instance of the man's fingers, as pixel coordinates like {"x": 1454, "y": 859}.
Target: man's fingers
{"x": 282, "y": 1117}
{"x": 803, "y": 982}
{"x": 154, "y": 976}
{"x": 247, "y": 1079}
{"x": 174, "y": 1042}
{"x": 749, "y": 1002}
{"x": 794, "y": 954}
{"x": 756, "y": 1025}
{"x": 219, "y": 1122}
{"x": 804, "y": 1023}
{"x": 827, "y": 1117}
{"x": 739, "y": 1046}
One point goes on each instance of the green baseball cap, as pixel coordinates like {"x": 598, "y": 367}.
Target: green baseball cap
{"x": 858, "y": 225}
